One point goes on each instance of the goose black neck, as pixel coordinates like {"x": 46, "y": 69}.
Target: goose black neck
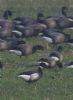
{"x": 7, "y": 14}
{"x": 37, "y": 47}
{"x": 40, "y": 17}
{"x": 64, "y": 11}
{"x": 40, "y": 71}
{"x": 59, "y": 48}
{"x": 1, "y": 64}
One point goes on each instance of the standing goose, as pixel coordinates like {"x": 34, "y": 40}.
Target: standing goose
{"x": 31, "y": 76}
{"x": 26, "y": 21}
{"x": 18, "y": 20}
{"x": 59, "y": 22}
{"x": 70, "y": 43}
{"x": 7, "y": 14}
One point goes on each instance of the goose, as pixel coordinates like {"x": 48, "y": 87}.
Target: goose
{"x": 70, "y": 43}
{"x": 46, "y": 62}
{"x": 18, "y": 20}
{"x": 28, "y": 31}
{"x": 31, "y": 76}
{"x": 26, "y": 21}
{"x": 57, "y": 56}
{"x": 26, "y": 49}
{"x": 54, "y": 37}
{"x": 69, "y": 65}
{"x": 59, "y": 22}
{"x": 10, "y": 43}
{"x": 6, "y": 29}
{"x": 66, "y": 21}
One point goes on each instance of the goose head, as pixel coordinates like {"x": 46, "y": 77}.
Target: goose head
{"x": 64, "y": 11}
{"x": 40, "y": 17}
{"x": 7, "y": 14}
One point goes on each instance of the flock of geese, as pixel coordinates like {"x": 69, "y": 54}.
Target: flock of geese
{"x": 51, "y": 29}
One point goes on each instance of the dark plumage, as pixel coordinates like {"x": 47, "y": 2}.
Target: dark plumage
{"x": 7, "y": 14}
{"x": 1, "y": 65}
{"x": 64, "y": 11}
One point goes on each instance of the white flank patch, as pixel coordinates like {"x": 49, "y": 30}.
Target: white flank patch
{"x": 55, "y": 58}
{"x": 0, "y": 26}
{"x": 16, "y": 52}
{"x": 71, "y": 28}
{"x": 40, "y": 34}
{"x": 18, "y": 22}
{"x": 43, "y": 25}
{"x": 25, "y": 77}
{"x": 17, "y": 32}
{"x": 48, "y": 39}
{"x": 71, "y": 66}
{"x": 20, "y": 26}
{"x": 71, "y": 44}
{"x": 47, "y": 64}
{"x": 70, "y": 19}
{"x": 34, "y": 76}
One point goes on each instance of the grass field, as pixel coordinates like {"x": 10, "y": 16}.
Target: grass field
{"x": 55, "y": 84}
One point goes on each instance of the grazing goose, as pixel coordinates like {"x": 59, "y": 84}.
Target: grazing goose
{"x": 54, "y": 37}
{"x": 70, "y": 42}
{"x": 24, "y": 20}
{"x": 26, "y": 49}
{"x": 31, "y": 30}
{"x": 59, "y": 22}
{"x": 4, "y": 45}
{"x": 31, "y": 76}
{"x": 69, "y": 65}
{"x": 18, "y": 20}
{"x": 46, "y": 62}
{"x": 57, "y": 56}
{"x": 10, "y": 43}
